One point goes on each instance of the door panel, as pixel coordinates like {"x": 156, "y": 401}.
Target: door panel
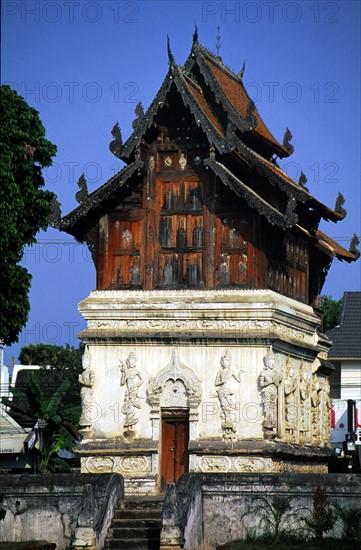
{"x": 174, "y": 451}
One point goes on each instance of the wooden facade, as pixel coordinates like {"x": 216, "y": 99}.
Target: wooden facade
{"x": 202, "y": 202}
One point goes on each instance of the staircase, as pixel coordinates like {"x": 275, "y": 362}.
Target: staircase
{"x": 136, "y": 524}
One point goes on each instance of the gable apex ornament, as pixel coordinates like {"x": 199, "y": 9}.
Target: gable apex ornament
{"x": 195, "y": 34}
{"x": 171, "y": 60}
{"x": 240, "y": 74}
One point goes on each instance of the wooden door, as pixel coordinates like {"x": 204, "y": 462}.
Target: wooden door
{"x": 174, "y": 451}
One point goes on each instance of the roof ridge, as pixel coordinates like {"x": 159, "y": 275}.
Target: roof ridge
{"x": 218, "y": 61}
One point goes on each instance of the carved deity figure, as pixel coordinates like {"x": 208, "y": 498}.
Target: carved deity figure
{"x": 326, "y": 404}
{"x": 290, "y": 387}
{"x": 224, "y": 383}
{"x": 305, "y": 391}
{"x": 269, "y": 380}
{"x": 132, "y": 379}
{"x": 315, "y": 408}
{"x": 86, "y": 379}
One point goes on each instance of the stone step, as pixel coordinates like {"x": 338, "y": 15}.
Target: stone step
{"x": 136, "y": 524}
{"x": 132, "y": 544}
{"x": 144, "y": 532}
{"x": 145, "y": 504}
{"x": 137, "y": 514}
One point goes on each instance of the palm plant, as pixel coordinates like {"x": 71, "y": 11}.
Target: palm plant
{"x": 58, "y": 419}
{"x": 350, "y": 518}
{"x": 277, "y": 518}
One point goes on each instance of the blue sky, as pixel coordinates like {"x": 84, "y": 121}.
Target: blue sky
{"x": 85, "y": 64}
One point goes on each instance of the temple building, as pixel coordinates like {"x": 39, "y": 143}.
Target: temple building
{"x": 204, "y": 344}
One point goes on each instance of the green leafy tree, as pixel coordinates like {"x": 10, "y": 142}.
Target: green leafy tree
{"x": 24, "y": 206}
{"x": 59, "y": 357}
{"x": 331, "y": 310}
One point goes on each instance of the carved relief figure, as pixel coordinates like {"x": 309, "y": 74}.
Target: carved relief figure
{"x": 269, "y": 380}
{"x": 315, "y": 409}
{"x": 326, "y": 412}
{"x": 305, "y": 391}
{"x": 224, "y": 383}
{"x": 133, "y": 379}
{"x": 290, "y": 400}
{"x": 86, "y": 379}
{"x": 224, "y": 270}
{"x": 134, "y": 274}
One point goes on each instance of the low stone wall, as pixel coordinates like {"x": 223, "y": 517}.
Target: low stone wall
{"x": 65, "y": 509}
{"x": 210, "y": 506}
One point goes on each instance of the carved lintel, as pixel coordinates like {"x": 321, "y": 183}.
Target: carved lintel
{"x": 228, "y": 464}
{"x": 175, "y": 371}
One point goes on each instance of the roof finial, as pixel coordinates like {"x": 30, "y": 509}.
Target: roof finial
{"x": 241, "y": 72}
{"x": 195, "y": 34}
{"x": 302, "y": 181}
{"x": 353, "y": 246}
{"x": 218, "y": 38}
{"x": 340, "y": 201}
{"x": 171, "y": 59}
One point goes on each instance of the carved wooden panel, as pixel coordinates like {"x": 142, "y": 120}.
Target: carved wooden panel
{"x": 288, "y": 270}
{"x": 126, "y": 262}
{"x": 234, "y": 250}
{"x": 181, "y": 248}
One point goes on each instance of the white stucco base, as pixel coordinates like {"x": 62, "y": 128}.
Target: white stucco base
{"x": 175, "y": 345}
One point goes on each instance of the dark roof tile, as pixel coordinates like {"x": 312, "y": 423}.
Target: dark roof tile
{"x": 347, "y": 337}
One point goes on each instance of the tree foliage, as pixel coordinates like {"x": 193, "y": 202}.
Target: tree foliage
{"x": 24, "y": 205}
{"x": 59, "y": 357}
{"x": 331, "y": 310}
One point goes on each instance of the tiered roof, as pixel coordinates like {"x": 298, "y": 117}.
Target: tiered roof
{"x": 237, "y": 137}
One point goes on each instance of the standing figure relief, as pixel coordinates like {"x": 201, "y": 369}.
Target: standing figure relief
{"x": 305, "y": 391}
{"x": 315, "y": 409}
{"x": 225, "y": 388}
{"x": 290, "y": 387}
{"x": 132, "y": 379}
{"x": 269, "y": 380}
{"x": 86, "y": 380}
{"x": 326, "y": 404}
